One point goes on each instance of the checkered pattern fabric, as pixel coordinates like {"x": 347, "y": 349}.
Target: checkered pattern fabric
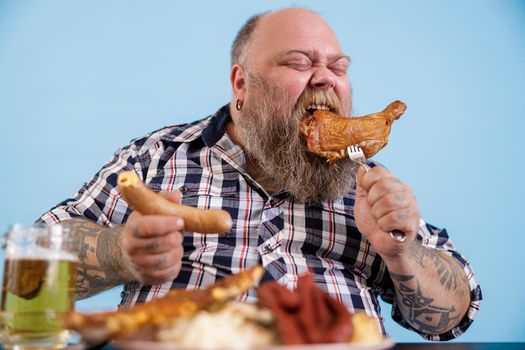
{"x": 287, "y": 237}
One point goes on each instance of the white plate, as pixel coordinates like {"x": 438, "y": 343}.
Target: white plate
{"x": 142, "y": 344}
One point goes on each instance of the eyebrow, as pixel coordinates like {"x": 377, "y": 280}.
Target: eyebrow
{"x": 312, "y": 54}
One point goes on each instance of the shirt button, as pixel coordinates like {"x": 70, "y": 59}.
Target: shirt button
{"x": 183, "y": 189}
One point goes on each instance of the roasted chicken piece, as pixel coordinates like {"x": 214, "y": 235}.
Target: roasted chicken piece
{"x": 143, "y": 320}
{"x": 210, "y": 319}
{"x": 328, "y": 134}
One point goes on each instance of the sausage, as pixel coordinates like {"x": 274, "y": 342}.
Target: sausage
{"x": 341, "y": 328}
{"x": 313, "y": 316}
{"x": 274, "y": 297}
{"x": 145, "y": 201}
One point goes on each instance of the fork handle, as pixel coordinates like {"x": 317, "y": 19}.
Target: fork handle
{"x": 395, "y": 234}
{"x": 366, "y": 166}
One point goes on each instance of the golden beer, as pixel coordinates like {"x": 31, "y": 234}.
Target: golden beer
{"x": 36, "y": 293}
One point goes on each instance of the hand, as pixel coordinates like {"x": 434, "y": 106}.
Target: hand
{"x": 152, "y": 245}
{"x": 382, "y": 204}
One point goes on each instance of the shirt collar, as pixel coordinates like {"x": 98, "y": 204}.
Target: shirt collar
{"x": 208, "y": 130}
{"x": 217, "y": 126}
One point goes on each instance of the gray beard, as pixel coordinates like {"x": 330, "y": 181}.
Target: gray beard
{"x": 273, "y": 142}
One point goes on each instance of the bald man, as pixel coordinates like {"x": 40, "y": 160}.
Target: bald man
{"x": 291, "y": 211}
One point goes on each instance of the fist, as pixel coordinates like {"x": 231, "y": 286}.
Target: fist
{"x": 383, "y": 203}
{"x": 152, "y": 246}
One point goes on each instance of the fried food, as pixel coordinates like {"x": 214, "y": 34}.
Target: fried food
{"x": 147, "y": 318}
{"x": 328, "y": 134}
{"x": 145, "y": 201}
{"x": 210, "y": 319}
{"x": 366, "y": 329}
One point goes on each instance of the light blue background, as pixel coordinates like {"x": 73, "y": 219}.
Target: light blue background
{"x": 80, "y": 78}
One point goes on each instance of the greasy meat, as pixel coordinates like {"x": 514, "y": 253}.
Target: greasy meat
{"x": 328, "y": 134}
{"x": 144, "y": 319}
{"x": 307, "y": 315}
{"x": 210, "y": 319}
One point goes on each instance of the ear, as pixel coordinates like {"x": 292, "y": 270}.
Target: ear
{"x": 238, "y": 81}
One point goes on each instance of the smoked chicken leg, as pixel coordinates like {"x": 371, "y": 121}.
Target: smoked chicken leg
{"x": 328, "y": 134}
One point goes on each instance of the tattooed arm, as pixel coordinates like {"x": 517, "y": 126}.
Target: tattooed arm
{"x": 148, "y": 248}
{"x": 102, "y": 263}
{"x": 431, "y": 288}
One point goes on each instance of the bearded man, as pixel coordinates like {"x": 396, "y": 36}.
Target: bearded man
{"x": 291, "y": 211}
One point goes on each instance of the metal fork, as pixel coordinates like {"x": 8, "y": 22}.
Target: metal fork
{"x": 356, "y": 154}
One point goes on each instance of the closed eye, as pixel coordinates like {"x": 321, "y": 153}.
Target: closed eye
{"x": 339, "y": 68}
{"x": 300, "y": 65}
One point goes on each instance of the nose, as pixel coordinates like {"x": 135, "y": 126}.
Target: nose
{"x": 322, "y": 79}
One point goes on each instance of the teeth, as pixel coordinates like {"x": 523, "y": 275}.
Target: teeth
{"x": 323, "y": 107}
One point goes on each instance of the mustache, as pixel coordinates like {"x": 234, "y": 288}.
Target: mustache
{"x": 281, "y": 98}
{"x": 311, "y": 97}
{"x": 269, "y": 126}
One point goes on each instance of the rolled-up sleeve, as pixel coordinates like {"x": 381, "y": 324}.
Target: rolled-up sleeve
{"x": 433, "y": 237}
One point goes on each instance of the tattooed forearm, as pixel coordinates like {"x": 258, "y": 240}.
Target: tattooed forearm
{"x": 420, "y": 310}
{"x": 449, "y": 273}
{"x": 431, "y": 289}
{"x": 101, "y": 262}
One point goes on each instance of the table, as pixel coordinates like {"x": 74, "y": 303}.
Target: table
{"x": 459, "y": 346}
{"x": 434, "y": 346}
{"x": 410, "y": 346}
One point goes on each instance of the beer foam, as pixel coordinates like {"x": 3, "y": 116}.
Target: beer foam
{"x": 39, "y": 253}
{"x": 40, "y": 242}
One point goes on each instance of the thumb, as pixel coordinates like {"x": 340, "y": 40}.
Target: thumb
{"x": 173, "y": 196}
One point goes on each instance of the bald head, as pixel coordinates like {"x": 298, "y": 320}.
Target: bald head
{"x": 285, "y": 63}
{"x": 266, "y": 27}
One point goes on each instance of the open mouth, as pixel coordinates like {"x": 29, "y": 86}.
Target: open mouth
{"x": 313, "y": 107}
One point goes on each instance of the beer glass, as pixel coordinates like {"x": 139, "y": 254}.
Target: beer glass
{"x": 38, "y": 286}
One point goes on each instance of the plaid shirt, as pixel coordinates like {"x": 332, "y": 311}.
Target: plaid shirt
{"x": 285, "y": 236}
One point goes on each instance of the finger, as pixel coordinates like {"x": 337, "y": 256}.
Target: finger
{"x": 160, "y": 276}
{"x": 359, "y": 176}
{"x": 404, "y": 220}
{"x": 359, "y": 191}
{"x": 155, "y": 245}
{"x": 174, "y": 196}
{"x": 390, "y": 202}
{"x": 372, "y": 176}
{"x": 150, "y": 263}
{"x": 155, "y": 225}
{"x": 384, "y": 186}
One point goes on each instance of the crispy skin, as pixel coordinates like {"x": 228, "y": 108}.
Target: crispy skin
{"x": 328, "y": 134}
{"x": 142, "y": 320}
{"x": 307, "y": 315}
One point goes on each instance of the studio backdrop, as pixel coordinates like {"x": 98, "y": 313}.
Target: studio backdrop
{"x": 78, "y": 79}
